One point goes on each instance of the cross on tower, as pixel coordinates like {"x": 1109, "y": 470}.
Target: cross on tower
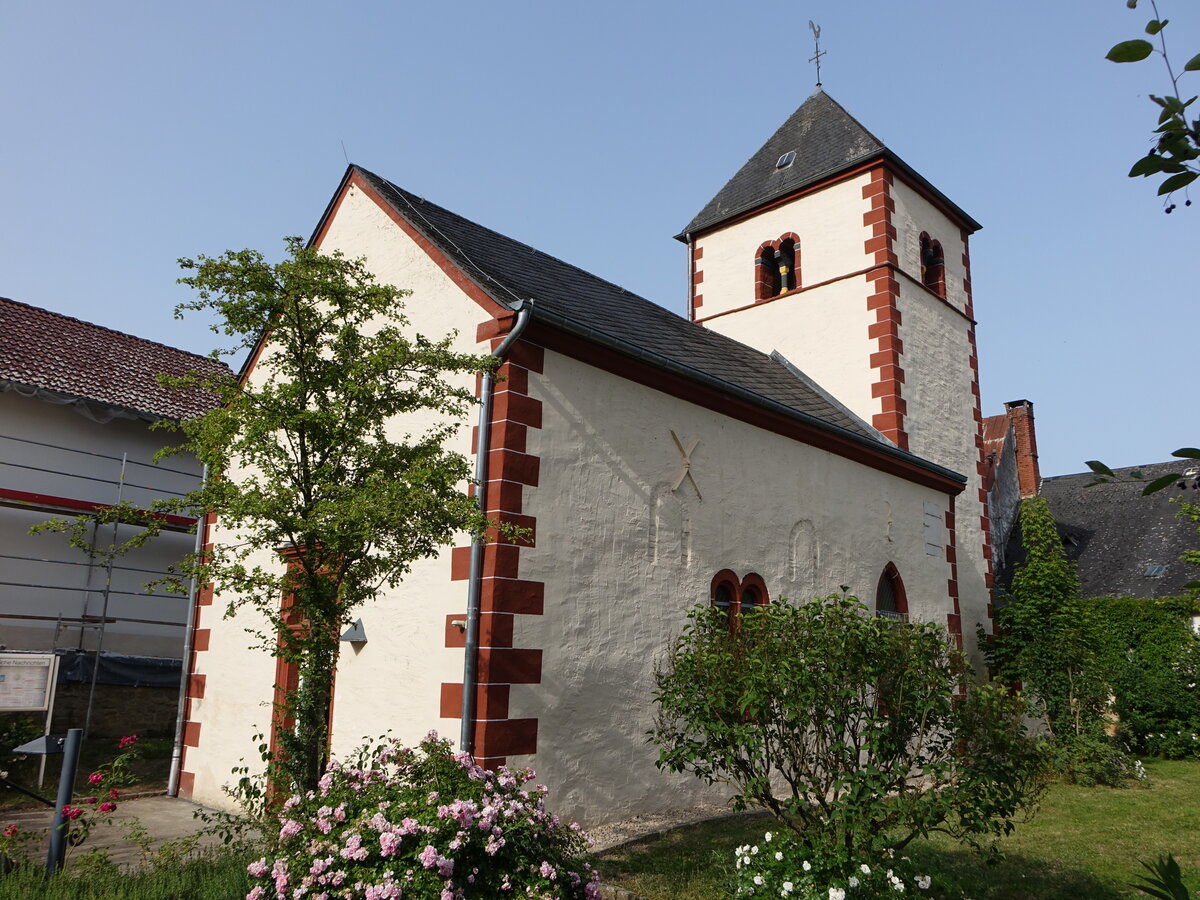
{"x": 816, "y": 57}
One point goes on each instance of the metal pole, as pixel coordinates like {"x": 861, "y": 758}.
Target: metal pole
{"x": 87, "y": 722}
{"x": 66, "y": 784}
{"x": 186, "y": 666}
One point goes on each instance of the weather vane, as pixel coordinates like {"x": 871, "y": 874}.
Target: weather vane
{"x": 816, "y": 57}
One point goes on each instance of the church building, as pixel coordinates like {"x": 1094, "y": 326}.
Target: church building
{"x": 814, "y": 422}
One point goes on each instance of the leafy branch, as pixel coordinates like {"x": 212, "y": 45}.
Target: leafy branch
{"x": 1176, "y": 150}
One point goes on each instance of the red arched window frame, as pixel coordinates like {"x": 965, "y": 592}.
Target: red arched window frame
{"x": 752, "y": 592}
{"x": 734, "y": 595}
{"x": 777, "y": 267}
{"x": 890, "y": 599}
{"x": 933, "y": 265}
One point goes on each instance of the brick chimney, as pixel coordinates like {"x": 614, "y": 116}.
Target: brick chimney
{"x": 1020, "y": 414}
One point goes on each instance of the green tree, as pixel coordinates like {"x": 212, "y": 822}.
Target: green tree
{"x": 1175, "y": 153}
{"x": 1051, "y": 641}
{"x": 855, "y": 732}
{"x": 330, "y": 453}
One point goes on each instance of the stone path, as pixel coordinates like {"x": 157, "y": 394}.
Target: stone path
{"x": 164, "y": 818}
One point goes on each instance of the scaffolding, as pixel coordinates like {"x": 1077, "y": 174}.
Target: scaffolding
{"x": 98, "y": 590}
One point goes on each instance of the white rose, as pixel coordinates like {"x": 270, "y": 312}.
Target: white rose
{"x": 758, "y": 879}
{"x": 779, "y": 855}
{"x": 853, "y": 882}
{"x": 836, "y": 893}
{"x": 866, "y": 870}
{"x": 807, "y": 867}
{"x": 923, "y": 882}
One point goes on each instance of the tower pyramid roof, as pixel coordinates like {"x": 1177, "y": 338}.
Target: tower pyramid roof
{"x": 826, "y": 140}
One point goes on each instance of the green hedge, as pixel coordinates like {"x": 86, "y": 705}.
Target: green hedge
{"x": 1152, "y": 657}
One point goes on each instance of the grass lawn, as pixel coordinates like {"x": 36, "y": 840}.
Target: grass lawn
{"x": 1083, "y": 843}
{"x": 207, "y": 878}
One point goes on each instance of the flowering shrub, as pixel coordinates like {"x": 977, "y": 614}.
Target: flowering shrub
{"x": 422, "y": 823}
{"x": 780, "y": 867}
{"x": 81, "y": 814}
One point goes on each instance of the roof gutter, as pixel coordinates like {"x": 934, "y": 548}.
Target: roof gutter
{"x": 661, "y": 362}
{"x": 483, "y": 446}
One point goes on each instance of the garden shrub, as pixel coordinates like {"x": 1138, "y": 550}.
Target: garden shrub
{"x": 422, "y": 823}
{"x": 855, "y": 732}
{"x": 780, "y": 867}
{"x": 1052, "y": 643}
{"x": 1153, "y": 658}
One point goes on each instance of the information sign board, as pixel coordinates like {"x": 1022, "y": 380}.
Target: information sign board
{"x": 27, "y": 681}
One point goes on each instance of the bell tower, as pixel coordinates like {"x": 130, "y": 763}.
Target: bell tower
{"x": 830, "y": 249}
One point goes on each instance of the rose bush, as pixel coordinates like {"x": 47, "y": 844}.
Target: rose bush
{"x": 394, "y": 822}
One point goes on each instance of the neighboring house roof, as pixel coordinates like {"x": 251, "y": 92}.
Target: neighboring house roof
{"x": 1115, "y": 535}
{"x": 565, "y": 296}
{"x": 45, "y": 351}
{"x": 826, "y": 140}
{"x": 995, "y": 436}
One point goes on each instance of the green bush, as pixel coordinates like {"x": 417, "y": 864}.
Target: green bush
{"x": 1053, "y": 643}
{"x": 1153, "y": 659}
{"x": 856, "y": 733}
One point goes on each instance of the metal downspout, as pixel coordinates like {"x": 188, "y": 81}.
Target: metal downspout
{"x": 691, "y": 277}
{"x": 523, "y": 309}
{"x": 177, "y": 747}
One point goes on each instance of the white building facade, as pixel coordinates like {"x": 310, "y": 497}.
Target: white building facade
{"x": 759, "y": 452}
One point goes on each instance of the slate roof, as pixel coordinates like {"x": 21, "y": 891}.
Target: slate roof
{"x": 1113, "y": 533}
{"x": 563, "y": 294}
{"x": 827, "y": 140}
{"x": 52, "y": 352}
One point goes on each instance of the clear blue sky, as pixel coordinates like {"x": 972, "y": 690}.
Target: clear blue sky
{"x": 135, "y": 133}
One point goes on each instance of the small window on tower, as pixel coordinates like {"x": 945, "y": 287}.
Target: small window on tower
{"x": 785, "y": 258}
{"x": 933, "y": 265}
{"x": 766, "y": 273}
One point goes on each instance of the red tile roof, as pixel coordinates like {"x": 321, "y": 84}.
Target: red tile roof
{"x": 45, "y": 350}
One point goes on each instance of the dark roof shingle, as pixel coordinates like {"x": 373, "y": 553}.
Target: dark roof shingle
{"x": 52, "y": 352}
{"x": 826, "y": 140}
{"x": 509, "y": 271}
{"x": 1113, "y": 533}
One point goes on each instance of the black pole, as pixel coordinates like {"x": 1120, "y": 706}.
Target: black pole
{"x": 66, "y": 784}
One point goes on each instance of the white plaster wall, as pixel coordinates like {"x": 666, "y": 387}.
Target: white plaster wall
{"x": 823, "y": 332}
{"x": 803, "y": 519}
{"x": 392, "y": 682}
{"x": 81, "y": 467}
{"x": 937, "y": 390}
{"x": 829, "y": 223}
{"x": 914, "y": 214}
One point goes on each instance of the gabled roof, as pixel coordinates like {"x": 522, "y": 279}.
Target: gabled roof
{"x": 826, "y": 140}
{"x": 566, "y": 297}
{"x": 46, "y": 351}
{"x": 1114, "y": 534}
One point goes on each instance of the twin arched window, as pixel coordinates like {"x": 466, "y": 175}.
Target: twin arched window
{"x": 777, "y": 267}
{"x": 737, "y": 597}
{"x": 933, "y": 265}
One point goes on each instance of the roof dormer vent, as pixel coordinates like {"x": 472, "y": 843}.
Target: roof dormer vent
{"x": 786, "y": 160}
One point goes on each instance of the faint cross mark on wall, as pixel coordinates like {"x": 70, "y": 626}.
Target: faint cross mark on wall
{"x": 685, "y": 471}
